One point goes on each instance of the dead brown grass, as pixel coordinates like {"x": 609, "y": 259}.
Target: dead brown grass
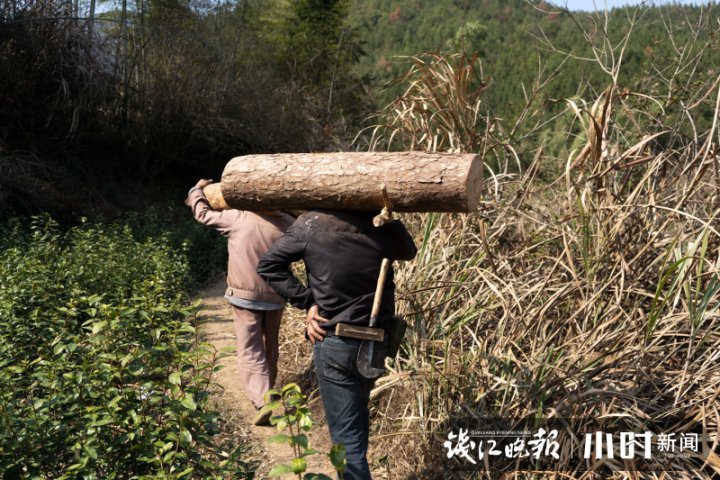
{"x": 593, "y": 297}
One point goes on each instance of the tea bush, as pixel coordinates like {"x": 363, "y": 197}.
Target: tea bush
{"x": 205, "y": 250}
{"x": 101, "y": 374}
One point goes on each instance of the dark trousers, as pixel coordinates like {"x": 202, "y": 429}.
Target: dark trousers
{"x": 345, "y": 395}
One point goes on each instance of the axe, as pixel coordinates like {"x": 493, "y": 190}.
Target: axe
{"x": 366, "y": 361}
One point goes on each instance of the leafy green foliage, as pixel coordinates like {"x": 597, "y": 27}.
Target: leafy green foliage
{"x": 295, "y": 416}
{"x": 204, "y": 250}
{"x": 101, "y": 375}
{"x": 316, "y": 37}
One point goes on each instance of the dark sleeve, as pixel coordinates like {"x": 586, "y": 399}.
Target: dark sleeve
{"x": 274, "y": 267}
{"x": 399, "y": 245}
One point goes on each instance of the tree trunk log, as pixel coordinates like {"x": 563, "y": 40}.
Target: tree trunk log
{"x": 214, "y": 196}
{"x": 415, "y": 181}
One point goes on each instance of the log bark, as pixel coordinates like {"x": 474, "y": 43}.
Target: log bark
{"x": 415, "y": 181}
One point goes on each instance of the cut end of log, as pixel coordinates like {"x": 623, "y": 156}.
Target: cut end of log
{"x": 214, "y": 196}
{"x": 474, "y": 183}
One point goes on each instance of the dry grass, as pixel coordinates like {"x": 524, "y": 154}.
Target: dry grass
{"x": 593, "y": 297}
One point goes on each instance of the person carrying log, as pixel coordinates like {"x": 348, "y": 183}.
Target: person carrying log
{"x": 343, "y": 253}
{"x": 257, "y": 309}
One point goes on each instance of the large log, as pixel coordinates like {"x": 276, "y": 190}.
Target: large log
{"x": 415, "y": 181}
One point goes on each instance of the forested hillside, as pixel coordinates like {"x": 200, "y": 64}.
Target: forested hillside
{"x": 103, "y": 100}
{"x": 521, "y": 42}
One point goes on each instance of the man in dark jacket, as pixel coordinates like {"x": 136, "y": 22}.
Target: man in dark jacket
{"x": 342, "y": 252}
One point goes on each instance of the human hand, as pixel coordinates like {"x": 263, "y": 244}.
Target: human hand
{"x": 313, "y": 321}
{"x": 202, "y": 183}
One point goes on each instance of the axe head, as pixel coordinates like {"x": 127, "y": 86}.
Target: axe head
{"x": 371, "y": 360}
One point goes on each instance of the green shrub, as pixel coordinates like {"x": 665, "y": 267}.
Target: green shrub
{"x": 205, "y": 250}
{"x": 101, "y": 375}
{"x": 294, "y": 415}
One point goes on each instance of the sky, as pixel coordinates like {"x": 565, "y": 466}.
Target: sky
{"x": 589, "y": 5}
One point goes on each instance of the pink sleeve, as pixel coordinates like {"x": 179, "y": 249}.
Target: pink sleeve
{"x": 219, "y": 220}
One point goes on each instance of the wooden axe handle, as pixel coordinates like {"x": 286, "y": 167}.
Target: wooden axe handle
{"x": 379, "y": 291}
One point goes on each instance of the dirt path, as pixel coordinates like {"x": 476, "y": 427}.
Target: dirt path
{"x": 295, "y": 366}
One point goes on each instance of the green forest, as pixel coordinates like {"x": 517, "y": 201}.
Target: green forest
{"x": 103, "y": 99}
{"x": 585, "y": 286}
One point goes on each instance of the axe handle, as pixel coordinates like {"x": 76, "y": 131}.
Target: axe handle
{"x": 379, "y": 291}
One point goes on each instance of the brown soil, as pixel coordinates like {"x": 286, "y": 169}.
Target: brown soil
{"x": 295, "y": 366}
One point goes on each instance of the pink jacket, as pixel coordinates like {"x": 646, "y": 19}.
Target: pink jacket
{"x": 249, "y": 236}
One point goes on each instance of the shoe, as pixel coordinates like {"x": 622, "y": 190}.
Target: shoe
{"x": 262, "y": 417}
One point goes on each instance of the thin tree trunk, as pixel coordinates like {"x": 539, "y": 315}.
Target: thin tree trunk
{"x": 92, "y": 18}
{"x": 125, "y": 70}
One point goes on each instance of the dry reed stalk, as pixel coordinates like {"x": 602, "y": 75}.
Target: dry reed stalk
{"x": 599, "y": 301}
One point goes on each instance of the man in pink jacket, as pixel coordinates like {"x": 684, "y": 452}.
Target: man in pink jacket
{"x": 257, "y": 309}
